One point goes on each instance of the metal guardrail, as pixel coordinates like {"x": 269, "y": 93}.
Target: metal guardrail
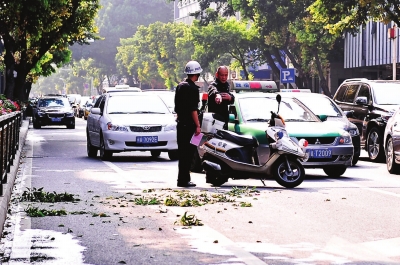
{"x": 9, "y": 143}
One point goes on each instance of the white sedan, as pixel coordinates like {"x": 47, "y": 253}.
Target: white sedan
{"x": 131, "y": 121}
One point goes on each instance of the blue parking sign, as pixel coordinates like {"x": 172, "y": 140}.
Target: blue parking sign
{"x": 288, "y": 75}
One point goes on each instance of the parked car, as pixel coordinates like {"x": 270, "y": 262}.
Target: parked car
{"x": 168, "y": 96}
{"x": 329, "y": 147}
{"x": 74, "y": 100}
{"x": 88, "y": 106}
{"x": 369, "y": 105}
{"x": 82, "y": 104}
{"x": 392, "y": 143}
{"x": 328, "y": 112}
{"x": 53, "y": 111}
{"x": 131, "y": 121}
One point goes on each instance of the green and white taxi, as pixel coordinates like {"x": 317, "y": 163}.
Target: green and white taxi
{"x": 329, "y": 147}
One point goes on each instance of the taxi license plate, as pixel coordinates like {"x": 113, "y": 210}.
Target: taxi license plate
{"x": 320, "y": 153}
{"x": 55, "y": 119}
{"x": 146, "y": 139}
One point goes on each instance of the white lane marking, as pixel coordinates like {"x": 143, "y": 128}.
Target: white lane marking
{"x": 205, "y": 232}
{"x": 21, "y": 246}
{"x": 368, "y": 188}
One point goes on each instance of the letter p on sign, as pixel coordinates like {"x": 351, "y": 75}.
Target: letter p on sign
{"x": 287, "y": 75}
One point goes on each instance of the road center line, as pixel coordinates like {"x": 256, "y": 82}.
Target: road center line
{"x": 229, "y": 245}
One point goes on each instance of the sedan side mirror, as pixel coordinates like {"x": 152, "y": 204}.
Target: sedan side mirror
{"x": 361, "y": 101}
{"x": 349, "y": 114}
{"x": 322, "y": 117}
{"x": 233, "y": 119}
{"x": 95, "y": 111}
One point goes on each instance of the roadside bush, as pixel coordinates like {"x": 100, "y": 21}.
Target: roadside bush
{"x": 7, "y": 105}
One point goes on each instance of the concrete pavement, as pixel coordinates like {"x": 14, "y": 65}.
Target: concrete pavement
{"x": 8, "y": 187}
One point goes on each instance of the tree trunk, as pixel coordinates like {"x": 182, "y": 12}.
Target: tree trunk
{"x": 322, "y": 79}
{"x": 9, "y": 73}
{"x": 271, "y": 62}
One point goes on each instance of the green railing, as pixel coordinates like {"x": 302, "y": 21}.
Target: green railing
{"x": 9, "y": 143}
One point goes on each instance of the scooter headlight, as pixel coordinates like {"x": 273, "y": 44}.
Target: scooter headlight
{"x": 278, "y": 135}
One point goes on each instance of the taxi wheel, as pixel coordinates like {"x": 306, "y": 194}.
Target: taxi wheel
{"x": 155, "y": 153}
{"x": 374, "y": 145}
{"x": 91, "y": 150}
{"x": 391, "y": 164}
{"x": 173, "y": 154}
{"x": 104, "y": 154}
{"x": 334, "y": 171}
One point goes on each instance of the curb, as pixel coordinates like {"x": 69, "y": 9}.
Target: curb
{"x": 8, "y": 187}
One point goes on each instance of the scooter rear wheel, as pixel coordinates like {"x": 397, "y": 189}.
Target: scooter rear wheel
{"x": 215, "y": 179}
{"x": 283, "y": 177}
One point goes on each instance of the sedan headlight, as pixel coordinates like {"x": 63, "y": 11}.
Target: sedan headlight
{"x": 170, "y": 127}
{"x": 346, "y": 139}
{"x": 69, "y": 114}
{"x": 113, "y": 127}
{"x": 354, "y": 132}
{"x": 41, "y": 113}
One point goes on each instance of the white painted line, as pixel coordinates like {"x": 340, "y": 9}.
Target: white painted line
{"x": 22, "y": 242}
{"x": 205, "y": 232}
{"x": 368, "y": 188}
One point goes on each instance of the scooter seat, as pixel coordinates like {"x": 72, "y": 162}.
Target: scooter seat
{"x": 243, "y": 140}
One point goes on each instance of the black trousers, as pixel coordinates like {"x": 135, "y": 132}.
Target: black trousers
{"x": 185, "y": 151}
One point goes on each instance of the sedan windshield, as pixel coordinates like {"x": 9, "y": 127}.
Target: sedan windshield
{"x": 259, "y": 110}
{"x": 387, "y": 93}
{"x": 125, "y": 104}
{"x": 321, "y": 106}
{"x": 53, "y": 102}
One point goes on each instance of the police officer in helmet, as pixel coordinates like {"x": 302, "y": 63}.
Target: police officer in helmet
{"x": 186, "y": 107}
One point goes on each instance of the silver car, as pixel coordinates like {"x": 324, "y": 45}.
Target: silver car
{"x": 131, "y": 121}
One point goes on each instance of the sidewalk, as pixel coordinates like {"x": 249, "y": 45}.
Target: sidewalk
{"x": 8, "y": 187}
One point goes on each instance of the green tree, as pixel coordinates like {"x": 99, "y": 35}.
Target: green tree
{"x": 158, "y": 50}
{"x": 348, "y": 15}
{"x": 119, "y": 19}
{"x": 227, "y": 36}
{"x": 30, "y": 29}
{"x": 278, "y": 32}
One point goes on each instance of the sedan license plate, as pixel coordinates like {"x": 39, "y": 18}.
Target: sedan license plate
{"x": 146, "y": 139}
{"x": 55, "y": 119}
{"x": 320, "y": 153}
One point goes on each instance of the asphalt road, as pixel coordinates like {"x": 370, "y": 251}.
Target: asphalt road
{"x": 349, "y": 220}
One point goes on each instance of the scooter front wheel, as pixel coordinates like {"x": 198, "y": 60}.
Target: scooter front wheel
{"x": 288, "y": 178}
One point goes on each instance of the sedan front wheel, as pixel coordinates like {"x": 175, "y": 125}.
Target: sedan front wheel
{"x": 391, "y": 164}
{"x": 374, "y": 145}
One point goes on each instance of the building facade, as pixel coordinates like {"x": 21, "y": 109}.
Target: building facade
{"x": 371, "y": 50}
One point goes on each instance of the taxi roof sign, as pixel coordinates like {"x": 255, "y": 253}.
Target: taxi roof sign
{"x": 296, "y": 90}
{"x": 252, "y": 86}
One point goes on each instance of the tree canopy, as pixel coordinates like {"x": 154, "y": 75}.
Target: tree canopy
{"x": 30, "y": 29}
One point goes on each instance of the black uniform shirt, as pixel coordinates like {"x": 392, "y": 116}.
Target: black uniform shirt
{"x": 215, "y": 88}
{"x": 187, "y": 99}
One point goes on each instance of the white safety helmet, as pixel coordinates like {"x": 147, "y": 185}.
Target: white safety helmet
{"x": 192, "y": 68}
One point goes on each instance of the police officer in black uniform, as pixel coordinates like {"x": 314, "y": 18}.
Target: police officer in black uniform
{"x": 186, "y": 107}
{"x": 219, "y": 95}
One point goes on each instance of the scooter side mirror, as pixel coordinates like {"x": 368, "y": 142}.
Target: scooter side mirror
{"x": 279, "y": 99}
